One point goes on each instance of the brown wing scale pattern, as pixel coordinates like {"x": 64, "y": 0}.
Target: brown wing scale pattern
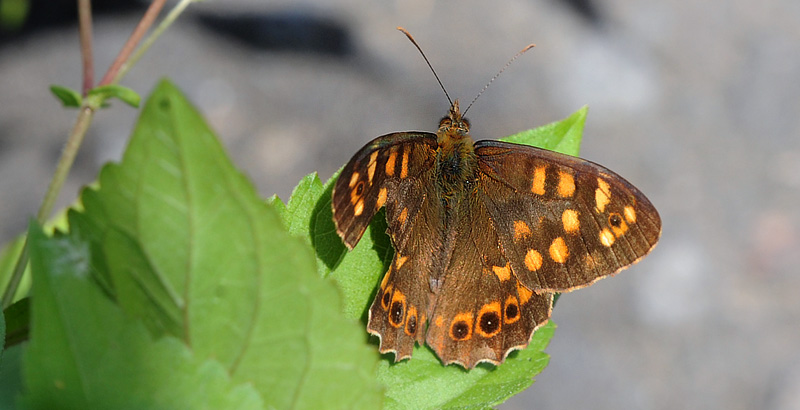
{"x": 366, "y": 181}
{"x": 482, "y": 312}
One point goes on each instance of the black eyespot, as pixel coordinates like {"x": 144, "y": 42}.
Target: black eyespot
{"x": 359, "y": 188}
{"x": 460, "y": 330}
{"x": 411, "y": 325}
{"x": 512, "y": 311}
{"x": 396, "y": 313}
{"x": 489, "y": 322}
{"x": 615, "y": 220}
{"x": 387, "y": 297}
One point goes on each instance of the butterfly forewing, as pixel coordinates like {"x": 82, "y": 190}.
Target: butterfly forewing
{"x": 365, "y": 182}
{"x": 563, "y": 222}
{"x": 482, "y": 311}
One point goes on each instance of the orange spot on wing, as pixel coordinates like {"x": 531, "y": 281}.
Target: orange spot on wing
{"x": 558, "y": 250}
{"x": 566, "y": 184}
{"x": 382, "y": 194}
{"x": 630, "y": 214}
{"x": 403, "y": 216}
{"x": 521, "y": 230}
{"x": 570, "y": 221}
{"x": 359, "y": 208}
{"x": 539, "y": 174}
{"x": 404, "y": 165}
{"x": 533, "y": 260}
{"x": 386, "y": 278}
{"x": 390, "y": 163}
{"x": 524, "y": 293}
{"x": 373, "y": 162}
{"x": 400, "y": 261}
{"x": 606, "y": 237}
{"x": 602, "y": 195}
{"x": 502, "y": 272}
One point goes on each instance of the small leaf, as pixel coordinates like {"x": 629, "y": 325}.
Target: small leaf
{"x": 84, "y": 353}
{"x": 67, "y": 96}
{"x": 99, "y": 95}
{"x": 277, "y": 205}
{"x": 301, "y": 204}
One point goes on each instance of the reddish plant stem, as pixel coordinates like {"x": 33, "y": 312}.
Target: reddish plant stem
{"x": 85, "y": 32}
{"x": 144, "y": 24}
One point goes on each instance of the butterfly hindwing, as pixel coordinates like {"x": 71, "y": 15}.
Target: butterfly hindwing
{"x": 563, "y": 222}
{"x": 482, "y": 311}
{"x": 366, "y": 181}
{"x": 399, "y": 313}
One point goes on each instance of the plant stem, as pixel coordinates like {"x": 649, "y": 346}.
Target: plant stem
{"x": 144, "y": 24}
{"x": 85, "y": 33}
{"x": 62, "y": 170}
{"x": 168, "y": 20}
{"x": 16, "y": 276}
{"x": 65, "y": 162}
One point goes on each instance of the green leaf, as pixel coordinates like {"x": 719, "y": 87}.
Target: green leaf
{"x": 301, "y": 204}
{"x": 84, "y": 353}
{"x": 10, "y": 377}
{"x": 180, "y": 240}
{"x": 2, "y": 334}
{"x": 562, "y": 136}
{"x": 17, "y": 322}
{"x": 10, "y": 251}
{"x": 422, "y": 381}
{"x": 98, "y": 96}
{"x": 308, "y": 213}
{"x": 67, "y": 96}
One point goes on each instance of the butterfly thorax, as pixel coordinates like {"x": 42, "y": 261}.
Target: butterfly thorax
{"x": 455, "y": 160}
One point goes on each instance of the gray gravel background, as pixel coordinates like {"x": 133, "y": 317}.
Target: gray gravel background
{"x": 696, "y": 103}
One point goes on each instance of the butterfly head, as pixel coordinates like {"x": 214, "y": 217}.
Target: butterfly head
{"x": 454, "y": 125}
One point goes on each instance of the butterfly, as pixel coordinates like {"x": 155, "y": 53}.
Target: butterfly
{"x": 485, "y": 233}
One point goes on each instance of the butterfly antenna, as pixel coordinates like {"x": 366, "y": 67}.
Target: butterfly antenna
{"x": 429, "y": 63}
{"x": 528, "y": 47}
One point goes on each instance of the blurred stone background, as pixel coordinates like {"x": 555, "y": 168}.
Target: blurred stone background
{"x": 696, "y": 103}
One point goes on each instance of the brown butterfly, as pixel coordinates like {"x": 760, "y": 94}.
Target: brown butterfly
{"x": 484, "y": 234}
